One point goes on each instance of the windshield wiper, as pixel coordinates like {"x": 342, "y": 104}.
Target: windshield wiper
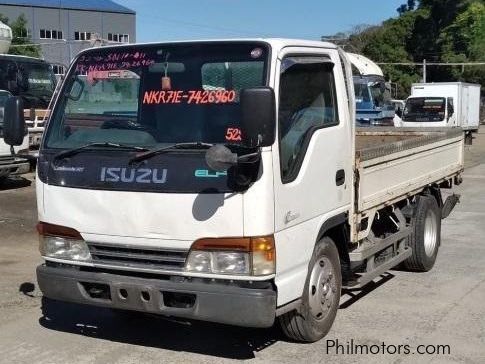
{"x": 74, "y": 151}
{"x": 153, "y": 152}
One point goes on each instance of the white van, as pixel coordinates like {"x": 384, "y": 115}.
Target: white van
{"x": 451, "y": 104}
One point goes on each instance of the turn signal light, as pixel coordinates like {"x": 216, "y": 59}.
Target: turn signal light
{"x": 245, "y": 256}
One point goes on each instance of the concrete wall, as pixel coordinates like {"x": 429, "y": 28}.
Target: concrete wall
{"x": 70, "y": 21}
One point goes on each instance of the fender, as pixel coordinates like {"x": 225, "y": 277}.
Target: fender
{"x": 331, "y": 223}
{"x": 336, "y": 228}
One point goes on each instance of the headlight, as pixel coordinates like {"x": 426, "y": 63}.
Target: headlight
{"x": 61, "y": 242}
{"x": 232, "y": 256}
{"x": 199, "y": 262}
{"x": 218, "y": 262}
{"x": 61, "y": 248}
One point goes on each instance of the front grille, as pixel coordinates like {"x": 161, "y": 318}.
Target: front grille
{"x": 141, "y": 258}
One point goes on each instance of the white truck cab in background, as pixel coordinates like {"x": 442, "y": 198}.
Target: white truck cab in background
{"x": 225, "y": 181}
{"x": 443, "y": 104}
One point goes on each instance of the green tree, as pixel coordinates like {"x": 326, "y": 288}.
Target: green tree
{"x": 435, "y": 30}
{"x": 388, "y": 43}
{"x": 21, "y": 42}
{"x": 464, "y": 41}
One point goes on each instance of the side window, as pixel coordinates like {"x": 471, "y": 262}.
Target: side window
{"x": 451, "y": 109}
{"x": 307, "y": 103}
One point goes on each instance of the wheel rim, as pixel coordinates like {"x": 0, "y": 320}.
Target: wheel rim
{"x": 430, "y": 233}
{"x": 322, "y": 288}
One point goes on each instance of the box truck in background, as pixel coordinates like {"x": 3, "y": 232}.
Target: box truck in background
{"x": 452, "y": 104}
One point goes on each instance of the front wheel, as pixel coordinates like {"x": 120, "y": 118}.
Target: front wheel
{"x": 320, "y": 298}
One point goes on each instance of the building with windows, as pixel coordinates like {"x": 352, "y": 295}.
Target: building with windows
{"x": 65, "y": 27}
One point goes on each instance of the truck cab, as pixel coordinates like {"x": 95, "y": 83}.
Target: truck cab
{"x": 372, "y": 96}
{"x": 373, "y": 102}
{"x": 34, "y": 81}
{"x": 429, "y": 111}
{"x": 222, "y": 181}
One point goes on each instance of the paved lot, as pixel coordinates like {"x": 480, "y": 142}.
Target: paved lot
{"x": 442, "y": 307}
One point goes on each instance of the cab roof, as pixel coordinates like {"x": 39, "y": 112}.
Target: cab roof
{"x": 275, "y": 43}
{"x": 18, "y": 58}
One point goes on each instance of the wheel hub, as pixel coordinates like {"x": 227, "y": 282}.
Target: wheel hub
{"x": 322, "y": 288}
{"x": 430, "y": 233}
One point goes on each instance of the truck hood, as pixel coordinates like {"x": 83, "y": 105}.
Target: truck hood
{"x": 172, "y": 220}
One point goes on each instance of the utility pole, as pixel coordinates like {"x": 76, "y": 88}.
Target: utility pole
{"x": 424, "y": 70}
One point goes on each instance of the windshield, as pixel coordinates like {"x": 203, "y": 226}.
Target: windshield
{"x": 373, "y": 94}
{"x": 361, "y": 92}
{"x": 3, "y": 98}
{"x": 424, "y": 109}
{"x": 4, "y": 95}
{"x": 156, "y": 95}
{"x": 380, "y": 94}
{"x": 40, "y": 78}
{"x": 33, "y": 81}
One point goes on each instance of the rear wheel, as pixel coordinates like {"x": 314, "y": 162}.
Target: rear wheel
{"x": 320, "y": 298}
{"x": 426, "y": 237}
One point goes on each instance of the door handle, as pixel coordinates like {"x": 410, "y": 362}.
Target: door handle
{"x": 340, "y": 177}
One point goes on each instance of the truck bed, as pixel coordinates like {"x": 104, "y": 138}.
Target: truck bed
{"x": 392, "y": 164}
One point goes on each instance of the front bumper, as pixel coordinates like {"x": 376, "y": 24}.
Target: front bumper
{"x": 215, "y": 302}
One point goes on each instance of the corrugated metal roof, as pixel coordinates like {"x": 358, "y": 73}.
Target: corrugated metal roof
{"x": 94, "y": 5}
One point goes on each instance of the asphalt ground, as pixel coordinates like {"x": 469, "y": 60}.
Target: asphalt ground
{"x": 442, "y": 311}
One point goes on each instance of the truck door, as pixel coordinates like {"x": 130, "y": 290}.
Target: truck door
{"x": 313, "y": 163}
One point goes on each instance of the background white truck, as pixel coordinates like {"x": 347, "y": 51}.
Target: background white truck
{"x": 229, "y": 184}
{"x": 450, "y": 104}
{"x": 372, "y": 97}
{"x": 34, "y": 81}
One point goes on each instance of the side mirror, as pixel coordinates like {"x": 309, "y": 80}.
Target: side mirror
{"x": 13, "y": 121}
{"x": 258, "y": 116}
{"x": 219, "y": 158}
{"x": 76, "y": 91}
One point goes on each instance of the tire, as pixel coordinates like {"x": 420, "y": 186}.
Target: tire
{"x": 426, "y": 237}
{"x": 313, "y": 320}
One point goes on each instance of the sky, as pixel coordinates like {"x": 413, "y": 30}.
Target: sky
{"x": 161, "y": 20}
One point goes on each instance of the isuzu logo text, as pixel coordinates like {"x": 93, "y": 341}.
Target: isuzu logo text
{"x": 129, "y": 175}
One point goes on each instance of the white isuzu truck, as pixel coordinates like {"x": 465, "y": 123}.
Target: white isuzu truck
{"x": 225, "y": 181}
{"x": 444, "y": 104}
